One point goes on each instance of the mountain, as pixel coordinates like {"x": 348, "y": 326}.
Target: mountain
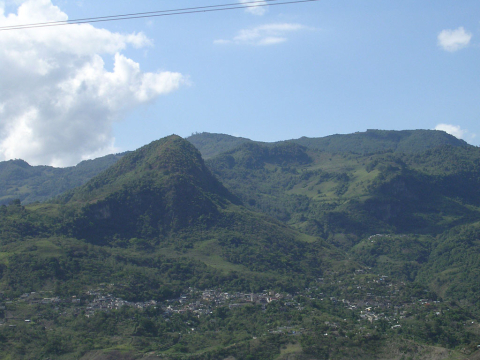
{"x": 324, "y": 193}
{"x": 369, "y": 142}
{"x": 161, "y": 187}
{"x": 412, "y": 216}
{"x": 266, "y": 251}
{"x": 212, "y": 144}
{"x": 374, "y": 141}
{"x": 162, "y": 199}
{"x": 19, "y": 180}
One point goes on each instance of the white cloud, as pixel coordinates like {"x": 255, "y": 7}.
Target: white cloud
{"x": 259, "y": 8}
{"x": 454, "y": 130}
{"x": 453, "y": 40}
{"x": 57, "y": 100}
{"x": 269, "y": 34}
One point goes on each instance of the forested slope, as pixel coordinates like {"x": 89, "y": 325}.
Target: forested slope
{"x": 266, "y": 251}
{"x": 19, "y": 180}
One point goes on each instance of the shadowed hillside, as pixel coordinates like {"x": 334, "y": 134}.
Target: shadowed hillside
{"x": 19, "y": 180}
{"x": 161, "y": 187}
{"x": 162, "y": 199}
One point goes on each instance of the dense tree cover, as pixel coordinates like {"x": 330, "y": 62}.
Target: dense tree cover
{"x": 369, "y": 142}
{"x": 159, "y": 188}
{"x": 398, "y": 232}
{"x": 158, "y": 200}
{"x": 454, "y": 264}
{"x": 375, "y": 141}
{"x": 334, "y": 193}
{"x": 401, "y": 256}
{"x": 19, "y": 180}
{"x": 426, "y": 205}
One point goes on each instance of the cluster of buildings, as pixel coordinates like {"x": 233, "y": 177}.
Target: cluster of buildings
{"x": 193, "y": 300}
{"x": 203, "y": 302}
{"x": 265, "y": 297}
{"x": 371, "y": 306}
{"x": 109, "y": 302}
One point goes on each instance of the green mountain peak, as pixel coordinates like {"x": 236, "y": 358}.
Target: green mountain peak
{"x": 161, "y": 187}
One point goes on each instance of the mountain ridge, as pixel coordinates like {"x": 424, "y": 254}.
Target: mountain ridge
{"x": 374, "y": 141}
{"x": 18, "y": 180}
{"x": 370, "y": 141}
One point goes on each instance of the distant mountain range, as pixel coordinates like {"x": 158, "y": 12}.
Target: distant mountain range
{"x": 19, "y": 180}
{"x": 371, "y": 141}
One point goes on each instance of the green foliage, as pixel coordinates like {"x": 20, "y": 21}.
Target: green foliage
{"x": 400, "y": 256}
{"x": 213, "y": 144}
{"x": 454, "y": 264}
{"x": 363, "y": 195}
{"x": 19, "y": 180}
{"x": 377, "y": 141}
{"x": 162, "y": 204}
{"x": 162, "y": 187}
{"x": 369, "y": 142}
{"x": 380, "y": 227}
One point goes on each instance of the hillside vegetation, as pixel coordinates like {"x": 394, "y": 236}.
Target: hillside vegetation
{"x": 162, "y": 199}
{"x": 375, "y": 141}
{"x": 368, "y": 142}
{"x": 423, "y": 204}
{"x": 19, "y": 180}
{"x": 360, "y": 246}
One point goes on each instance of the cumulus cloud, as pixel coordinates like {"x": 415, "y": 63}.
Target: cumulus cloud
{"x": 57, "y": 100}
{"x": 259, "y": 8}
{"x": 453, "y": 40}
{"x": 269, "y": 34}
{"x": 456, "y": 131}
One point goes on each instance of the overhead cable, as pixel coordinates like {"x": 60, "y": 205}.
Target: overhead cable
{"x": 160, "y": 13}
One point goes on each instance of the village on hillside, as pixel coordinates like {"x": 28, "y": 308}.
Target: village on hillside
{"x": 368, "y": 297}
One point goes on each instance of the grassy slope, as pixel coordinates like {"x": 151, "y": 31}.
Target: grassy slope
{"x": 430, "y": 200}
{"x": 435, "y": 197}
{"x": 124, "y": 210}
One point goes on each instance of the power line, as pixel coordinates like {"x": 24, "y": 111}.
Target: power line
{"x": 161, "y": 13}
{"x": 112, "y": 17}
{"x": 184, "y": 11}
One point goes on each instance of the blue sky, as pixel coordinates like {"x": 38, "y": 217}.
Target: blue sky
{"x": 311, "y": 69}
